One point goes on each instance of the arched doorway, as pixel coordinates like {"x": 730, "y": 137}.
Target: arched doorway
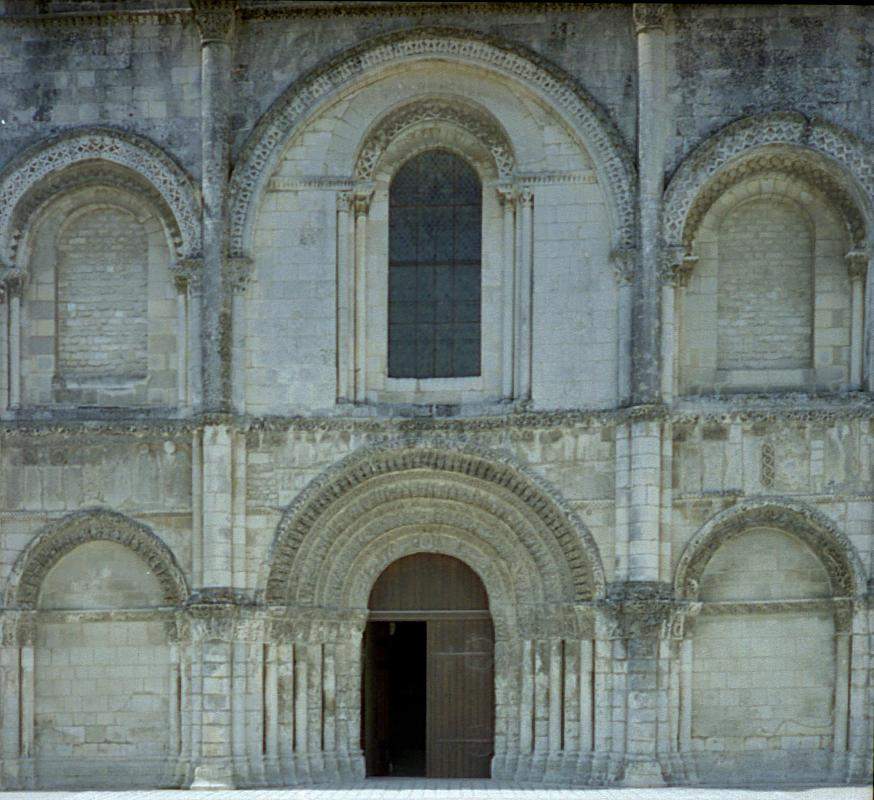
{"x": 428, "y": 702}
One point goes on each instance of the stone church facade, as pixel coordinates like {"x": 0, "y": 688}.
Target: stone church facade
{"x": 660, "y": 468}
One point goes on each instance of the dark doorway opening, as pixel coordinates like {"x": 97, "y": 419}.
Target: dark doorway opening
{"x": 428, "y": 704}
{"x": 397, "y": 681}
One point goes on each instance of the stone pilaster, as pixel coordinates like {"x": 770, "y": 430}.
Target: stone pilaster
{"x": 637, "y": 613}
{"x": 211, "y": 624}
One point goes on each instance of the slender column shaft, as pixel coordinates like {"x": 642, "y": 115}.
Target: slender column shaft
{"x": 509, "y": 292}
{"x": 667, "y": 345}
{"x": 651, "y": 130}
{"x": 300, "y": 698}
{"x": 345, "y": 300}
{"x": 361, "y": 206}
{"x": 195, "y": 352}
{"x": 182, "y": 347}
{"x": 524, "y": 271}
{"x": 14, "y": 351}
{"x": 857, "y": 331}
{"x": 555, "y": 695}
{"x": 586, "y": 678}
{"x": 215, "y": 19}
{"x": 526, "y": 705}
{"x": 27, "y": 701}
{"x": 4, "y": 354}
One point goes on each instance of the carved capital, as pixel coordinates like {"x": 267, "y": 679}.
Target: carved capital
{"x": 857, "y": 264}
{"x": 526, "y": 196}
{"x": 361, "y": 198}
{"x": 212, "y": 621}
{"x": 187, "y": 273}
{"x": 676, "y": 265}
{"x": 681, "y": 619}
{"x": 214, "y": 19}
{"x": 17, "y": 629}
{"x": 638, "y": 609}
{"x": 624, "y": 263}
{"x": 843, "y": 612}
{"x": 344, "y": 201}
{"x": 12, "y": 282}
{"x": 650, "y": 16}
{"x": 316, "y": 626}
{"x": 506, "y": 194}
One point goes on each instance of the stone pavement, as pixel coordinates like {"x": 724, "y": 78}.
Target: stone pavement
{"x": 408, "y": 789}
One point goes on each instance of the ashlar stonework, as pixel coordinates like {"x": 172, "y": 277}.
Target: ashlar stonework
{"x": 662, "y": 478}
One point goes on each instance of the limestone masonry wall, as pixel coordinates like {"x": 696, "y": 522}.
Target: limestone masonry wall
{"x": 663, "y": 475}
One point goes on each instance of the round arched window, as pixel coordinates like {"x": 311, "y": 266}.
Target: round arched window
{"x": 435, "y": 252}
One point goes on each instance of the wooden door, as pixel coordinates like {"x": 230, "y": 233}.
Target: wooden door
{"x": 448, "y": 598}
{"x": 460, "y": 709}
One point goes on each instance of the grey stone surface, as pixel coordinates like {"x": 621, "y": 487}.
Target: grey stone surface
{"x": 668, "y": 495}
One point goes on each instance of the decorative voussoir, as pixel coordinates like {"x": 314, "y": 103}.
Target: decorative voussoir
{"x": 828, "y": 159}
{"x": 476, "y": 121}
{"x": 145, "y": 160}
{"x": 61, "y": 537}
{"x": 835, "y": 551}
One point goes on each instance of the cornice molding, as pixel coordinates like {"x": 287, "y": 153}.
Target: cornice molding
{"x": 46, "y": 421}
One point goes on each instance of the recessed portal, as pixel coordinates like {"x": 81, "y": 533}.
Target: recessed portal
{"x": 428, "y": 699}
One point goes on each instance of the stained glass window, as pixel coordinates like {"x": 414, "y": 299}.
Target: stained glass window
{"x": 435, "y": 231}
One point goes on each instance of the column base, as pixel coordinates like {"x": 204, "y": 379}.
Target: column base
{"x": 643, "y": 773}
{"x": 213, "y": 776}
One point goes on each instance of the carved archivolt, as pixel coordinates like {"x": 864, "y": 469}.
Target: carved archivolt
{"x": 150, "y": 164}
{"x": 800, "y": 165}
{"x": 833, "y": 147}
{"x": 342, "y": 526}
{"x": 98, "y": 174}
{"x": 267, "y": 141}
{"x": 476, "y": 121}
{"x": 61, "y": 537}
{"x": 835, "y": 551}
